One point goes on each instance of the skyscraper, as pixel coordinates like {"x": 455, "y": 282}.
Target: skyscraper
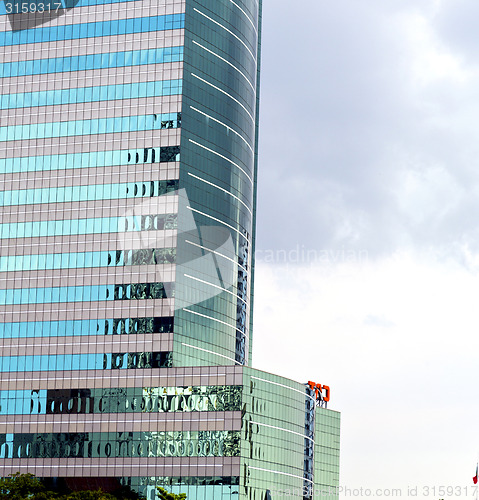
{"x": 128, "y": 140}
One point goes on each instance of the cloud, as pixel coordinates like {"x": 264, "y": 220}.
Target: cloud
{"x": 368, "y": 128}
{"x": 367, "y": 228}
{"x": 396, "y": 340}
{"x": 457, "y": 26}
{"x": 380, "y": 321}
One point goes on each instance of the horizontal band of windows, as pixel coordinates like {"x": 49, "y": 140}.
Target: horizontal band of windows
{"x": 122, "y": 219}
{"x": 88, "y": 160}
{"x": 103, "y": 142}
{"x": 36, "y": 262}
{"x": 98, "y": 122}
{"x": 51, "y": 13}
{"x": 93, "y": 29}
{"x": 121, "y": 400}
{"x": 73, "y": 328}
{"x": 140, "y": 481}
{"x": 68, "y": 243}
{"x": 88, "y": 293}
{"x": 121, "y": 444}
{"x": 92, "y": 361}
{"x": 88, "y": 193}
{"x": 70, "y": 345}
{"x": 116, "y": 273}
{"x": 92, "y": 62}
{"x": 91, "y": 94}
{"x": 154, "y": 308}
{"x": 101, "y": 225}
{"x": 207, "y": 487}
{"x": 90, "y": 127}
{"x": 65, "y": 4}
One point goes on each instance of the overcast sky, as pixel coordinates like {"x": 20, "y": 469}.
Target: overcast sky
{"x": 368, "y": 228}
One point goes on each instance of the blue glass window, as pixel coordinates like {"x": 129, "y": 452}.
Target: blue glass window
{"x": 122, "y": 444}
{"x": 92, "y": 61}
{"x": 116, "y": 326}
{"x": 69, "y": 227}
{"x": 88, "y": 127}
{"x": 121, "y": 400}
{"x": 91, "y": 30}
{"x": 93, "y": 159}
{"x": 90, "y": 361}
{"x": 65, "y": 4}
{"x": 91, "y": 94}
{"x": 133, "y": 291}
{"x": 87, "y": 193}
{"x": 151, "y": 256}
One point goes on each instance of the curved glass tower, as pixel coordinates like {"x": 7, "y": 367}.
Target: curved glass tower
{"x": 218, "y": 173}
{"x": 128, "y": 154}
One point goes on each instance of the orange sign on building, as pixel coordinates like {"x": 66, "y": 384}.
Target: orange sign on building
{"x": 318, "y": 391}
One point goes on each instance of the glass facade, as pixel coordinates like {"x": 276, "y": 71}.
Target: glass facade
{"x": 326, "y": 473}
{"x": 128, "y": 159}
{"x": 121, "y": 400}
{"x": 218, "y": 172}
{"x": 121, "y": 444}
{"x": 107, "y": 326}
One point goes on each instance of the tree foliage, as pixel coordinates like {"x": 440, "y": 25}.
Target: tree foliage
{"x": 20, "y": 486}
{"x": 164, "y": 495}
{"x": 28, "y": 487}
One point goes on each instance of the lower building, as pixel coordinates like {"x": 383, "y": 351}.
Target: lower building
{"x": 227, "y": 432}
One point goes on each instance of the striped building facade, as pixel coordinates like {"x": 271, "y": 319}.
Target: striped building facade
{"x": 128, "y": 157}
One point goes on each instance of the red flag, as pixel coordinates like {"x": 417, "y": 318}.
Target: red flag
{"x": 475, "y": 477}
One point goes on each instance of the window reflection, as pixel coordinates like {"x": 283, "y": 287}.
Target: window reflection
{"x": 67, "y": 227}
{"x": 85, "y": 160}
{"x": 151, "y": 256}
{"x": 131, "y": 291}
{"x": 91, "y": 361}
{"x": 203, "y": 487}
{"x": 89, "y": 192}
{"x": 89, "y": 127}
{"x": 121, "y": 400}
{"x": 116, "y": 326}
{"x": 121, "y": 444}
